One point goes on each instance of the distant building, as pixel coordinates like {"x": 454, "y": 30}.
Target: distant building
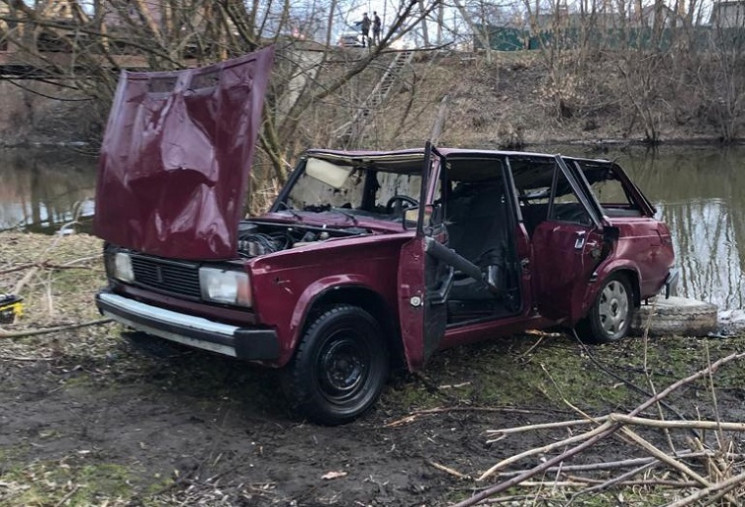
{"x": 728, "y": 14}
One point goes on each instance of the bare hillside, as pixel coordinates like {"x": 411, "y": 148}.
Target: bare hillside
{"x": 518, "y": 98}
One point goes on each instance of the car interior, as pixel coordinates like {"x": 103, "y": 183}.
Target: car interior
{"x": 480, "y": 227}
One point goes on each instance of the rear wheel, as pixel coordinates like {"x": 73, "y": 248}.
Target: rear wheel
{"x": 609, "y": 318}
{"x": 340, "y": 367}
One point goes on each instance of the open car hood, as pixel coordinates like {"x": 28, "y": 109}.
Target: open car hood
{"x": 176, "y": 157}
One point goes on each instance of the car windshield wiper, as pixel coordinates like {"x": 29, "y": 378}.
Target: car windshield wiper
{"x": 346, "y": 214}
{"x": 290, "y": 211}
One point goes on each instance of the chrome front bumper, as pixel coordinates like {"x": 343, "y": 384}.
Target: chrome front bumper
{"x": 198, "y": 332}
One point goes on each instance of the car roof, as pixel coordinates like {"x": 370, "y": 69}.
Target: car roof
{"x": 447, "y": 153}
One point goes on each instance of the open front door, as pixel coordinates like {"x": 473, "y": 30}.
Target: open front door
{"x": 423, "y": 282}
{"x": 567, "y": 247}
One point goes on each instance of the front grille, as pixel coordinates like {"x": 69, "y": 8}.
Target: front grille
{"x": 180, "y": 278}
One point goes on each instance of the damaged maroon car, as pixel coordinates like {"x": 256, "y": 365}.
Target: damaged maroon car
{"x": 366, "y": 259}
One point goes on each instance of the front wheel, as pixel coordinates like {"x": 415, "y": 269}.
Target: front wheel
{"x": 340, "y": 367}
{"x": 610, "y": 315}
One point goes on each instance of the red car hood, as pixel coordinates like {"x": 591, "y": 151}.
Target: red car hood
{"x": 176, "y": 157}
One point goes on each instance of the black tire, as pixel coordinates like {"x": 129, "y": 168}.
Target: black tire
{"x": 609, "y": 318}
{"x": 340, "y": 367}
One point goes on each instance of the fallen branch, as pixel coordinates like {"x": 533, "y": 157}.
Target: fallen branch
{"x": 532, "y": 347}
{"x": 67, "y": 496}
{"x": 30, "y": 359}
{"x": 546, "y": 448}
{"x": 682, "y": 468}
{"x": 22, "y": 334}
{"x": 50, "y": 265}
{"x": 721, "y": 488}
{"x": 610, "y": 465}
{"x": 551, "y": 484}
{"x": 17, "y": 268}
{"x": 614, "y": 480}
{"x": 615, "y": 426}
{"x": 638, "y": 482}
{"x": 543, "y": 426}
{"x": 656, "y": 423}
{"x": 449, "y": 470}
{"x": 593, "y": 467}
{"x": 444, "y": 410}
{"x": 26, "y": 278}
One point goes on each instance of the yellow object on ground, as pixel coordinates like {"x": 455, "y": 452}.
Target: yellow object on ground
{"x": 11, "y": 308}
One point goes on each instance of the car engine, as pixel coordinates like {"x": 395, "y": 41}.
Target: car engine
{"x": 257, "y": 238}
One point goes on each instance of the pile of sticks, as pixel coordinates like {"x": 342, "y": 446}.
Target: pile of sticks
{"x": 720, "y": 476}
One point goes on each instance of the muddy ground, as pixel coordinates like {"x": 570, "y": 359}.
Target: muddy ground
{"x": 88, "y": 418}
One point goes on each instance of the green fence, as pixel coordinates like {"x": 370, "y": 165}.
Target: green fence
{"x": 701, "y": 38}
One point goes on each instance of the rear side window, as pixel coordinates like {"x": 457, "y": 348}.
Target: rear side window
{"x": 566, "y": 206}
{"x": 545, "y": 193}
{"x": 608, "y": 189}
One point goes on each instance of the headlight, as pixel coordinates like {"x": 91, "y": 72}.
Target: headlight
{"x": 123, "y": 267}
{"x": 225, "y": 286}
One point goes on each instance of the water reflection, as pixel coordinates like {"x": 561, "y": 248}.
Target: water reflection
{"x": 41, "y": 190}
{"x": 699, "y": 192}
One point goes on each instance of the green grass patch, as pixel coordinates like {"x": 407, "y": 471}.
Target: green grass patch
{"x": 556, "y": 371}
{"x": 45, "y": 483}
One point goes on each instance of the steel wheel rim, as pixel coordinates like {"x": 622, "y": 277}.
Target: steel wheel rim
{"x": 343, "y": 366}
{"x": 613, "y": 309}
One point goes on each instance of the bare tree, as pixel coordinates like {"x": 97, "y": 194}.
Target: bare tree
{"x": 174, "y": 34}
{"x": 723, "y": 91}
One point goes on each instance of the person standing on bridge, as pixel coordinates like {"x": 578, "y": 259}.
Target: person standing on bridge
{"x": 365, "y": 27}
{"x": 377, "y": 25}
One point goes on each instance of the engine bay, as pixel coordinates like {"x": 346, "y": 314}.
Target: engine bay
{"x": 257, "y": 237}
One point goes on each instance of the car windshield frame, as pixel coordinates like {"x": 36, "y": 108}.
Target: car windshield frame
{"x": 370, "y": 185}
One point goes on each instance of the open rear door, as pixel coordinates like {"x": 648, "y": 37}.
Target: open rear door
{"x": 566, "y": 247}
{"x": 423, "y": 285}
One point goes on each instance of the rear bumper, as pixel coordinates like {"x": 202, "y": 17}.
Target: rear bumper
{"x": 671, "y": 281}
{"x": 198, "y": 332}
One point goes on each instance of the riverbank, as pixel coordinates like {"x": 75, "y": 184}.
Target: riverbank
{"x": 519, "y": 99}
{"x": 542, "y": 98}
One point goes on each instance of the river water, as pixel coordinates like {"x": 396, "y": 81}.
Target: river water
{"x": 699, "y": 192}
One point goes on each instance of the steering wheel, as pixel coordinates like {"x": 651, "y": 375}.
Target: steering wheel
{"x": 400, "y": 202}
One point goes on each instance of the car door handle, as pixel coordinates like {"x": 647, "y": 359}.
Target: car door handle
{"x": 580, "y": 241}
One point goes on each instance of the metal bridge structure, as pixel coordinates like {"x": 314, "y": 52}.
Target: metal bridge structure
{"x": 45, "y": 65}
